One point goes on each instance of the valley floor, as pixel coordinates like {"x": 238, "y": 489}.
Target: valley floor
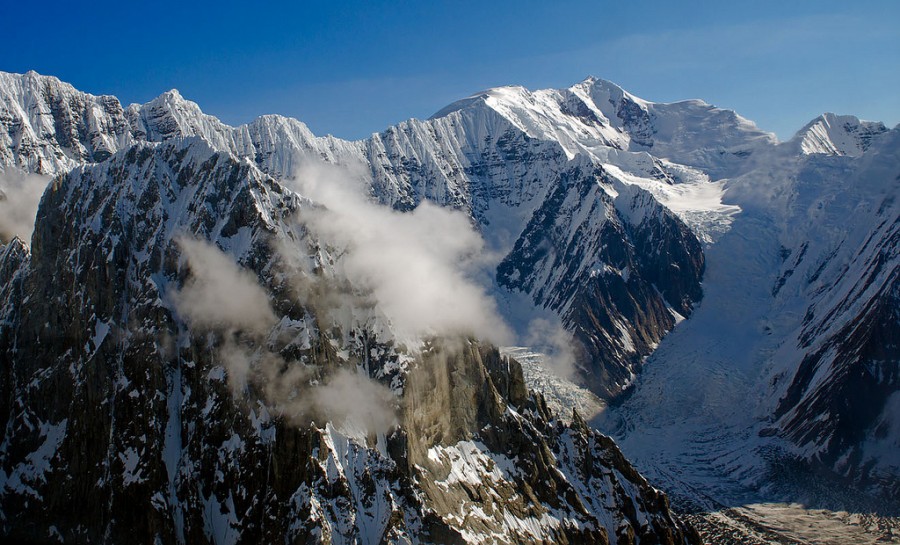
{"x": 784, "y": 524}
{"x": 693, "y": 469}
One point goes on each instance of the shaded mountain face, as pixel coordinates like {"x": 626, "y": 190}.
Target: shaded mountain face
{"x": 617, "y": 269}
{"x": 841, "y": 260}
{"x": 601, "y": 209}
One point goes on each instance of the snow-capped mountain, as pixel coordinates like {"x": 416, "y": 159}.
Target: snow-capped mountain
{"x": 118, "y": 391}
{"x": 824, "y": 355}
{"x": 475, "y": 157}
{"x": 831, "y": 134}
{"x": 114, "y": 392}
{"x": 617, "y": 217}
{"x": 836, "y": 376}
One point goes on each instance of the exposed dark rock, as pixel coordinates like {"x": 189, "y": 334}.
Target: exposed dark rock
{"x": 611, "y": 267}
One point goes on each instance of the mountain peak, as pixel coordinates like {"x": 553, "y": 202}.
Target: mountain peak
{"x": 173, "y": 97}
{"x": 34, "y": 75}
{"x": 608, "y": 89}
{"x": 172, "y": 94}
{"x": 33, "y": 79}
{"x": 833, "y": 134}
{"x": 481, "y": 98}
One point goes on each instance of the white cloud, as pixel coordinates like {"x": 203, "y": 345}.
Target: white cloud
{"x": 550, "y": 338}
{"x": 417, "y": 267}
{"x": 219, "y": 294}
{"x": 354, "y": 402}
{"x": 20, "y": 195}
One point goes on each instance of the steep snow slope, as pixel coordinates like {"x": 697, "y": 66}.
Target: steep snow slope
{"x": 617, "y": 270}
{"x": 799, "y": 363}
{"x": 836, "y": 376}
{"x": 49, "y": 127}
{"x": 832, "y": 134}
{"x": 596, "y": 115}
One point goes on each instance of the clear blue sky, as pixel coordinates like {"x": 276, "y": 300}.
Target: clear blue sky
{"x": 353, "y": 68}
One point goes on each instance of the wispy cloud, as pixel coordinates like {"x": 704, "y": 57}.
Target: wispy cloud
{"x": 222, "y": 297}
{"x": 550, "y": 338}
{"x": 20, "y": 195}
{"x": 219, "y": 293}
{"x": 417, "y": 267}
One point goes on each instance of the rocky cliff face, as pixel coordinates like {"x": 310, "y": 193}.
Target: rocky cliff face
{"x": 112, "y": 392}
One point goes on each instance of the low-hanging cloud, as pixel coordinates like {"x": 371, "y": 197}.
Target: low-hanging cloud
{"x": 20, "y": 195}
{"x": 219, "y": 293}
{"x": 221, "y": 296}
{"x": 550, "y": 338}
{"x": 417, "y": 267}
{"x": 356, "y": 404}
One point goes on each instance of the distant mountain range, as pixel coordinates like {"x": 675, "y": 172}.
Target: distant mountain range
{"x": 206, "y": 339}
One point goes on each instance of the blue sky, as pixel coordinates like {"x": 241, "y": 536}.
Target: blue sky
{"x": 353, "y": 68}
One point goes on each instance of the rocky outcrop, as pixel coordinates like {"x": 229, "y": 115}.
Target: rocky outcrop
{"x": 618, "y": 270}
{"x": 499, "y": 455}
